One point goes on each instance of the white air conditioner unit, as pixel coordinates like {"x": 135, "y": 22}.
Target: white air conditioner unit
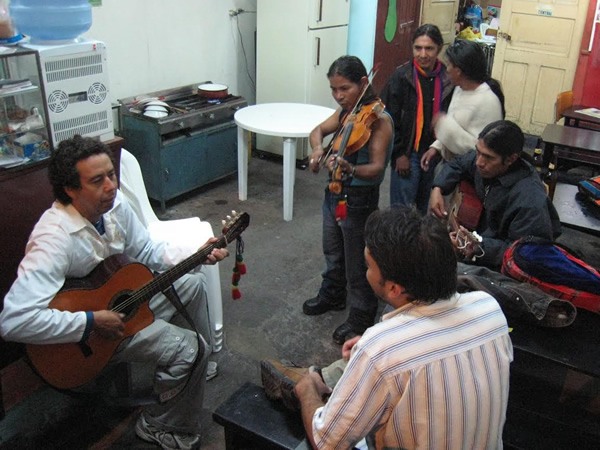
{"x": 75, "y": 83}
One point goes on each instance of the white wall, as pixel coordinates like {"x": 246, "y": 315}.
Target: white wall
{"x": 162, "y": 44}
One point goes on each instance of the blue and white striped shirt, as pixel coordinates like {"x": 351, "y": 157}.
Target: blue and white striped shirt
{"x": 428, "y": 376}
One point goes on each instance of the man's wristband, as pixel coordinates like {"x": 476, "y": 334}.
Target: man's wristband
{"x": 89, "y": 325}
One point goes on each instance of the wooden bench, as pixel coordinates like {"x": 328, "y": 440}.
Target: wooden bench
{"x": 253, "y": 422}
{"x": 555, "y": 385}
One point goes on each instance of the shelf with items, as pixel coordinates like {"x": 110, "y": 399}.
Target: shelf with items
{"x": 24, "y": 134}
{"x": 9, "y": 92}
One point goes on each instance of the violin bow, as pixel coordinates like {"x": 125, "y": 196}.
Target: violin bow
{"x": 370, "y": 77}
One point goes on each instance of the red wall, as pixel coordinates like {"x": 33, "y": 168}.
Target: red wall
{"x": 586, "y": 87}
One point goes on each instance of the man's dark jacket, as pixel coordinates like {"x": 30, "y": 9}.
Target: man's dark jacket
{"x": 515, "y": 205}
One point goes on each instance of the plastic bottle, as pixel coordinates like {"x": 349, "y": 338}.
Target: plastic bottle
{"x": 474, "y": 15}
{"x": 538, "y": 162}
{"x": 49, "y": 21}
{"x": 550, "y": 180}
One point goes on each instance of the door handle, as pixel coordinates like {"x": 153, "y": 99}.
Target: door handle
{"x": 320, "y": 11}
{"x": 503, "y": 35}
{"x": 317, "y": 52}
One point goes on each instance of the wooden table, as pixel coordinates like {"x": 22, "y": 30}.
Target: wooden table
{"x": 577, "y": 144}
{"x": 575, "y": 119}
{"x": 288, "y": 120}
{"x": 575, "y": 211}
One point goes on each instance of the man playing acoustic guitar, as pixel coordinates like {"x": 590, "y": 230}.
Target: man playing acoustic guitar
{"x": 513, "y": 198}
{"x": 89, "y": 222}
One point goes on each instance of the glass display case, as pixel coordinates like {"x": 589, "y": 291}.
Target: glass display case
{"x": 23, "y": 122}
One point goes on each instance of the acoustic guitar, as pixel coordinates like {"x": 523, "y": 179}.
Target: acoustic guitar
{"x": 117, "y": 284}
{"x": 465, "y": 210}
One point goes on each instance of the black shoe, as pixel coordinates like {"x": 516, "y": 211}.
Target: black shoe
{"x": 344, "y": 332}
{"x": 317, "y": 305}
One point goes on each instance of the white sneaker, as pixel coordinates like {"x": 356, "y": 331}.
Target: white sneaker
{"x": 166, "y": 439}
{"x": 211, "y": 370}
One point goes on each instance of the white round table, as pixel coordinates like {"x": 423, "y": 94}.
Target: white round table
{"x": 288, "y": 120}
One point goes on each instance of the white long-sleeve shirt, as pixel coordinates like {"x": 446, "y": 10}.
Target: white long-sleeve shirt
{"x": 65, "y": 245}
{"x": 469, "y": 113}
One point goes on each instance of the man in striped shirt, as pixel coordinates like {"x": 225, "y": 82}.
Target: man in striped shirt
{"x": 435, "y": 372}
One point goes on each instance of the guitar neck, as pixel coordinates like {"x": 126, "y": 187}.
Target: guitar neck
{"x": 168, "y": 277}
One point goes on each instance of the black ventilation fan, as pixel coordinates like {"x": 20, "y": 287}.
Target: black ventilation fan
{"x": 97, "y": 93}
{"x": 58, "y": 101}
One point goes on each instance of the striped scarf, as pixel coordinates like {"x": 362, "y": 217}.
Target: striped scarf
{"x": 437, "y": 96}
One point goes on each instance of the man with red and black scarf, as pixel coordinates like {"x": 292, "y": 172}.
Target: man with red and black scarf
{"x": 414, "y": 94}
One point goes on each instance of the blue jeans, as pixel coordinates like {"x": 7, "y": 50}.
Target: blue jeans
{"x": 343, "y": 247}
{"x": 414, "y": 189}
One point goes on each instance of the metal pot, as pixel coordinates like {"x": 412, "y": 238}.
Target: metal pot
{"x": 211, "y": 90}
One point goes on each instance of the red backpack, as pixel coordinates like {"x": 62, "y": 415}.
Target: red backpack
{"x": 555, "y": 271}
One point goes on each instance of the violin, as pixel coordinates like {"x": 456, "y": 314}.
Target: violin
{"x": 361, "y": 128}
{"x": 355, "y": 133}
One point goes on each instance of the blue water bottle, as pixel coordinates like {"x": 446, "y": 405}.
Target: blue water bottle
{"x": 49, "y": 21}
{"x": 474, "y": 15}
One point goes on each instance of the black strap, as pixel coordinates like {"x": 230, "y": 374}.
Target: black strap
{"x": 171, "y": 294}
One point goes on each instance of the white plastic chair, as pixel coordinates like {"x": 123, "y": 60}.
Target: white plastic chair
{"x": 187, "y": 235}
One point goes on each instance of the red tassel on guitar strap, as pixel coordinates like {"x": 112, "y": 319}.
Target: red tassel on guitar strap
{"x": 239, "y": 269}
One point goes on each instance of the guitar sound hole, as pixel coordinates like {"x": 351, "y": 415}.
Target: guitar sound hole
{"x": 121, "y": 303}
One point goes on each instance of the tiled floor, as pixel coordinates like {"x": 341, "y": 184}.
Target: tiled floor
{"x": 284, "y": 263}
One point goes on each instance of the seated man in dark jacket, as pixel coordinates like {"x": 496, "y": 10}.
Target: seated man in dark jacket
{"x": 515, "y": 203}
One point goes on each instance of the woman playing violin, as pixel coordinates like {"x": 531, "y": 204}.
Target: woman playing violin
{"x": 356, "y": 159}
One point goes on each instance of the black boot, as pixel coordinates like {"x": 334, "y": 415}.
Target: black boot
{"x": 356, "y": 324}
{"x": 317, "y": 305}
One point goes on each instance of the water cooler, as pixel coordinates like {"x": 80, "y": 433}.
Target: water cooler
{"x": 73, "y": 70}
{"x": 76, "y": 89}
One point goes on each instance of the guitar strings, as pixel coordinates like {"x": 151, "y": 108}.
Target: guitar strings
{"x": 463, "y": 242}
{"x": 159, "y": 283}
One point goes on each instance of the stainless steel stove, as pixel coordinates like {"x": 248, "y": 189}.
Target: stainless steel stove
{"x": 189, "y": 111}
{"x": 194, "y": 145}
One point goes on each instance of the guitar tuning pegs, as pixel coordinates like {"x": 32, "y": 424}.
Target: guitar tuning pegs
{"x": 234, "y": 213}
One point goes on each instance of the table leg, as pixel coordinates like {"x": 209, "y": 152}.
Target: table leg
{"x": 289, "y": 174}
{"x": 548, "y": 155}
{"x": 243, "y": 137}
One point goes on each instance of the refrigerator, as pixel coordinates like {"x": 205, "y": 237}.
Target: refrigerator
{"x": 296, "y": 42}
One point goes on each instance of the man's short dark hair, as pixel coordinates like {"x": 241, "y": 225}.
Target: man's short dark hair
{"x": 62, "y": 169}
{"x": 414, "y": 251}
{"x": 503, "y": 137}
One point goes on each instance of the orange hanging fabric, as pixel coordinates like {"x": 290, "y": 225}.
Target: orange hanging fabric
{"x": 437, "y": 97}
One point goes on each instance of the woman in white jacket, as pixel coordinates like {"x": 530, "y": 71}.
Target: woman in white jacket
{"x": 477, "y": 101}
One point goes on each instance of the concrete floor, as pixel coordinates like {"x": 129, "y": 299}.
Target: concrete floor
{"x": 284, "y": 262}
